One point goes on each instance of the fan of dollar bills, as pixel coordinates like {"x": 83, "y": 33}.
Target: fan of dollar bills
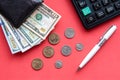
{"x": 32, "y": 32}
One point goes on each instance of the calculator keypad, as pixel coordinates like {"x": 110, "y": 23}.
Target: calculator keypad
{"x": 94, "y": 12}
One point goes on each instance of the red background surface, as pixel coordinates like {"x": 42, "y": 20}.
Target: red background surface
{"x": 104, "y": 66}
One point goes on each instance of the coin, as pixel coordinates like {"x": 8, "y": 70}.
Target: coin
{"x": 48, "y": 52}
{"x": 37, "y": 64}
{"x": 66, "y": 50}
{"x": 79, "y": 46}
{"x": 58, "y": 64}
{"x": 69, "y": 33}
{"x": 54, "y": 38}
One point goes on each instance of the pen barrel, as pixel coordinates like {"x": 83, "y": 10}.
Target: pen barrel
{"x": 97, "y": 46}
{"x": 89, "y": 56}
{"x": 110, "y": 32}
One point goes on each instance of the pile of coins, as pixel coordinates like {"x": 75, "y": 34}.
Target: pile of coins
{"x": 48, "y": 51}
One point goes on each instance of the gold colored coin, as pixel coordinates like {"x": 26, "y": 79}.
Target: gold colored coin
{"x": 37, "y": 64}
{"x": 54, "y": 39}
{"x": 48, "y": 52}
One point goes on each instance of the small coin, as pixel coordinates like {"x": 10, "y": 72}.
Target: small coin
{"x": 79, "y": 46}
{"x": 58, "y": 64}
{"x": 69, "y": 33}
{"x": 54, "y": 39}
{"x": 66, "y": 50}
{"x": 37, "y": 64}
{"x": 48, "y": 52}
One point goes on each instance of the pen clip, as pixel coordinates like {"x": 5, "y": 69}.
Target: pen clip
{"x": 106, "y": 32}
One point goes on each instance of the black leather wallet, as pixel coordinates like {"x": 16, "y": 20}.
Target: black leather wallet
{"x": 17, "y": 11}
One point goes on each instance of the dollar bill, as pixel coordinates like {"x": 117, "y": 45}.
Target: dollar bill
{"x": 42, "y": 21}
{"x": 30, "y": 36}
{"x": 10, "y": 40}
{"x": 33, "y": 31}
{"x": 39, "y": 43}
{"x": 20, "y": 40}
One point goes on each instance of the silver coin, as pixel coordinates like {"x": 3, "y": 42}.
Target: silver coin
{"x": 79, "y": 46}
{"x": 66, "y": 50}
{"x": 69, "y": 33}
{"x": 58, "y": 64}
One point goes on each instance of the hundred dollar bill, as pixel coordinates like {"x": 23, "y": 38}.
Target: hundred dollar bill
{"x": 10, "y": 40}
{"x": 30, "y": 36}
{"x": 42, "y": 21}
{"x": 20, "y": 40}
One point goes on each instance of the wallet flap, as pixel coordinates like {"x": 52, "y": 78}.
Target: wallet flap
{"x": 16, "y": 11}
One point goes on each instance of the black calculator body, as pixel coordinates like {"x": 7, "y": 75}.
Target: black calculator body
{"x": 95, "y": 12}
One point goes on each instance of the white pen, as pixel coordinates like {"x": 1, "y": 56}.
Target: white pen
{"x": 105, "y": 37}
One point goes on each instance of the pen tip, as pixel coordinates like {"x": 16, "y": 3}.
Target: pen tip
{"x": 78, "y": 68}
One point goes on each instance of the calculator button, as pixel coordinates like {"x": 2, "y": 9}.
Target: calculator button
{"x": 117, "y": 5}
{"x": 91, "y": 19}
{"x": 97, "y": 6}
{"x": 109, "y": 9}
{"x": 86, "y": 11}
{"x": 105, "y": 2}
{"x": 100, "y": 14}
{"x": 82, "y": 3}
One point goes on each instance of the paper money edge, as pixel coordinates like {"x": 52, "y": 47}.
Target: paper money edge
{"x": 13, "y": 52}
{"x": 35, "y": 42}
{"x": 22, "y": 50}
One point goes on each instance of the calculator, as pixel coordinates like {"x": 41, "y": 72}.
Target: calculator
{"x": 95, "y": 12}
